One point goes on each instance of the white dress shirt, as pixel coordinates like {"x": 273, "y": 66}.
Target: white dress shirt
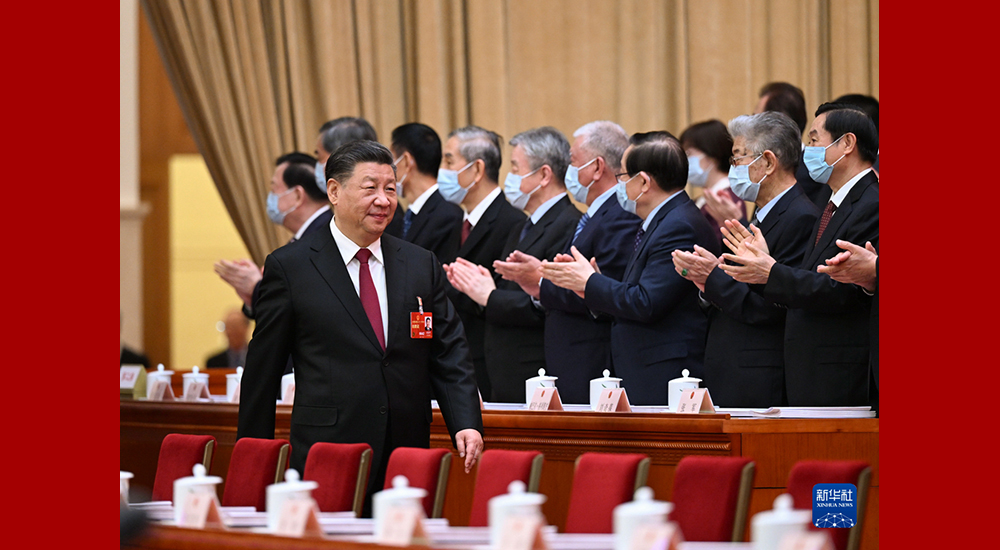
{"x": 416, "y": 205}
{"x": 298, "y": 234}
{"x": 376, "y": 265}
{"x": 480, "y": 209}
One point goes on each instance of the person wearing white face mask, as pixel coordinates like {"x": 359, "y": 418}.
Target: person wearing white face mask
{"x": 659, "y": 328}
{"x": 826, "y": 330}
{"x": 514, "y": 335}
{"x": 708, "y": 146}
{"x": 294, "y": 202}
{"x": 333, "y": 134}
{"x": 430, "y": 222}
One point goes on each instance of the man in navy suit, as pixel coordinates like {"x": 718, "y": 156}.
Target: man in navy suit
{"x": 430, "y": 222}
{"x": 744, "y": 355}
{"x": 339, "y": 301}
{"x": 294, "y": 202}
{"x": 827, "y": 347}
{"x": 659, "y": 328}
{"x": 578, "y": 344}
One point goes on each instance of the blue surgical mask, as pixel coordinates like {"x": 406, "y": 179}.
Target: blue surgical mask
{"x": 321, "y": 175}
{"x": 739, "y": 181}
{"x": 399, "y": 184}
{"x": 815, "y": 160}
{"x": 448, "y": 185}
{"x": 696, "y": 175}
{"x": 512, "y": 189}
{"x": 621, "y": 193}
{"x": 273, "y": 212}
{"x": 573, "y": 185}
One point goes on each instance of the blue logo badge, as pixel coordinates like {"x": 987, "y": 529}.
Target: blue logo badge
{"x": 835, "y": 505}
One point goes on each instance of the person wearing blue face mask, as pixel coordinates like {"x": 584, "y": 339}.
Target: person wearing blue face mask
{"x": 577, "y": 345}
{"x": 826, "y": 330}
{"x": 659, "y": 328}
{"x": 708, "y": 147}
{"x": 515, "y": 335}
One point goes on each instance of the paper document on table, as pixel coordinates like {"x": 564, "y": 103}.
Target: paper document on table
{"x": 815, "y": 412}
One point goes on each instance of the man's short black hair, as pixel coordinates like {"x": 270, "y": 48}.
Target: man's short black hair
{"x": 421, "y": 141}
{"x": 842, "y": 118}
{"x": 340, "y": 166}
{"x": 301, "y": 171}
{"x": 867, "y": 103}
{"x": 786, "y": 98}
{"x": 663, "y": 159}
{"x": 645, "y": 137}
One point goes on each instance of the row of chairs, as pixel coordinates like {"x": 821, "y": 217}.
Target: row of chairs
{"x": 711, "y": 495}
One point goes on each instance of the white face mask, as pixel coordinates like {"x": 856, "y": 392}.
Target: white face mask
{"x": 815, "y": 160}
{"x": 512, "y": 189}
{"x": 448, "y": 185}
{"x": 399, "y": 183}
{"x": 739, "y": 181}
{"x": 621, "y": 193}
{"x": 573, "y": 185}
{"x": 696, "y": 175}
{"x": 321, "y": 175}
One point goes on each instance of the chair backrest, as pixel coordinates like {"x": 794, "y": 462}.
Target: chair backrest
{"x": 424, "y": 468}
{"x": 497, "y": 469}
{"x": 807, "y": 473}
{"x": 711, "y": 496}
{"x": 602, "y": 481}
{"x": 341, "y": 469}
{"x": 178, "y": 455}
{"x": 255, "y": 464}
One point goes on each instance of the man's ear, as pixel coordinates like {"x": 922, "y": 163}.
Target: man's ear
{"x": 333, "y": 190}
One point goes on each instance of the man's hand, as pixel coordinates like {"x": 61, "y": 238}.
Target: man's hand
{"x": 523, "y": 269}
{"x": 475, "y": 281}
{"x": 754, "y": 263}
{"x": 695, "y": 266}
{"x": 855, "y": 265}
{"x": 736, "y": 237}
{"x": 571, "y": 274}
{"x": 243, "y": 275}
{"x": 721, "y": 206}
{"x": 469, "y": 443}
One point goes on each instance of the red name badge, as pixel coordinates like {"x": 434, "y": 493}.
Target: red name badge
{"x": 421, "y": 325}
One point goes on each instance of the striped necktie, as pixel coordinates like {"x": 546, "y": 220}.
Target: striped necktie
{"x": 580, "y": 224}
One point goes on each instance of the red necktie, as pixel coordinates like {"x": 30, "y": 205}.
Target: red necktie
{"x": 369, "y": 298}
{"x": 824, "y": 220}
{"x": 466, "y": 229}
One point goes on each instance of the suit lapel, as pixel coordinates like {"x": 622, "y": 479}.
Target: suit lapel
{"x": 482, "y": 226}
{"x": 538, "y": 229}
{"x": 840, "y": 215}
{"x": 330, "y": 264}
{"x": 421, "y": 219}
{"x": 664, "y": 210}
{"x": 395, "y": 286}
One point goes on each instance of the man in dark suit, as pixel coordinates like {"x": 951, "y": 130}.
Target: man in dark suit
{"x": 578, "y": 344}
{"x": 430, "y": 222}
{"x": 294, "y": 202}
{"x": 237, "y": 331}
{"x": 826, "y": 329}
{"x": 744, "y": 355}
{"x": 340, "y": 301}
{"x": 468, "y": 177}
{"x": 659, "y": 329}
{"x": 514, "y": 339}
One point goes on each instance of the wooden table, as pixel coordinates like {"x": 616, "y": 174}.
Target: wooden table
{"x": 774, "y": 444}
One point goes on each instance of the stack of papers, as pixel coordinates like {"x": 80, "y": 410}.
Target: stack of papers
{"x": 815, "y": 412}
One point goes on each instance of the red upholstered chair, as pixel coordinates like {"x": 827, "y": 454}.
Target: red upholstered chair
{"x": 255, "y": 464}
{"x": 424, "y": 468}
{"x": 602, "y": 481}
{"x": 806, "y": 473}
{"x": 178, "y": 455}
{"x": 497, "y": 469}
{"x": 711, "y": 496}
{"x": 341, "y": 469}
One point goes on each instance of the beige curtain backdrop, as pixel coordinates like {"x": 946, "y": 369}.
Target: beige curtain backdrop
{"x": 256, "y": 79}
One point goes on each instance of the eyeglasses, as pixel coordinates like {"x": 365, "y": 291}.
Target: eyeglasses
{"x": 734, "y": 160}
{"x": 619, "y": 177}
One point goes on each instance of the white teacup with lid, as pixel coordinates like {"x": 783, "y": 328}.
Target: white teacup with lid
{"x": 515, "y": 501}
{"x": 123, "y": 486}
{"x": 156, "y": 375}
{"x": 278, "y": 493}
{"x": 628, "y": 516}
{"x": 401, "y": 494}
{"x": 604, "y": 383}
{"x": 677, "y": 386}
{"x": 194, "y": 376}
{"x": 768, "y": 527}
{"x": 233, "y": 380}
{"x": 195, "y": 484}
{"x": 540, "y": 381}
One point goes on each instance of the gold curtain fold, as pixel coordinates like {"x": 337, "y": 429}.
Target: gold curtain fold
{"x": 257, "y": 78}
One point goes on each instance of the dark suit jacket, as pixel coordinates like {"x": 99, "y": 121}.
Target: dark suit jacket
{"x": 659, "y": 328}
{"x": 348, "y": 389}
{"x": 515, "y": 328}
{"x": 578, "y": 346}
{"x": 129, "y": 356}
{"x": 744, "y": 356}
{"x": 434, "y": 228}
{"x": 826, "y": 330}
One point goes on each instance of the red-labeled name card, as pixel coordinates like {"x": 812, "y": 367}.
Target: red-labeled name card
{"x": 522, "y": 532}
{"x": 195, "y": 391}
{"x": 657, "y": 536}
{"x": 545, "y": 399}
{"x": 161, "y": 391}
{"x": 808, "y": 540}
{"x": 613, "y": 400}
{"x": 129, "y": 375}
{"x": 696, "y": 401}
{"x": 299, "y": 517}
{"x": 421, "y": 325}
{"x": 200, "y": 511}
{"x": 236, "y": 394}
{"x": 403, "y": 526}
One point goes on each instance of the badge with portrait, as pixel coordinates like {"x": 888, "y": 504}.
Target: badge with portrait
{"x": 421, "y": 324}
